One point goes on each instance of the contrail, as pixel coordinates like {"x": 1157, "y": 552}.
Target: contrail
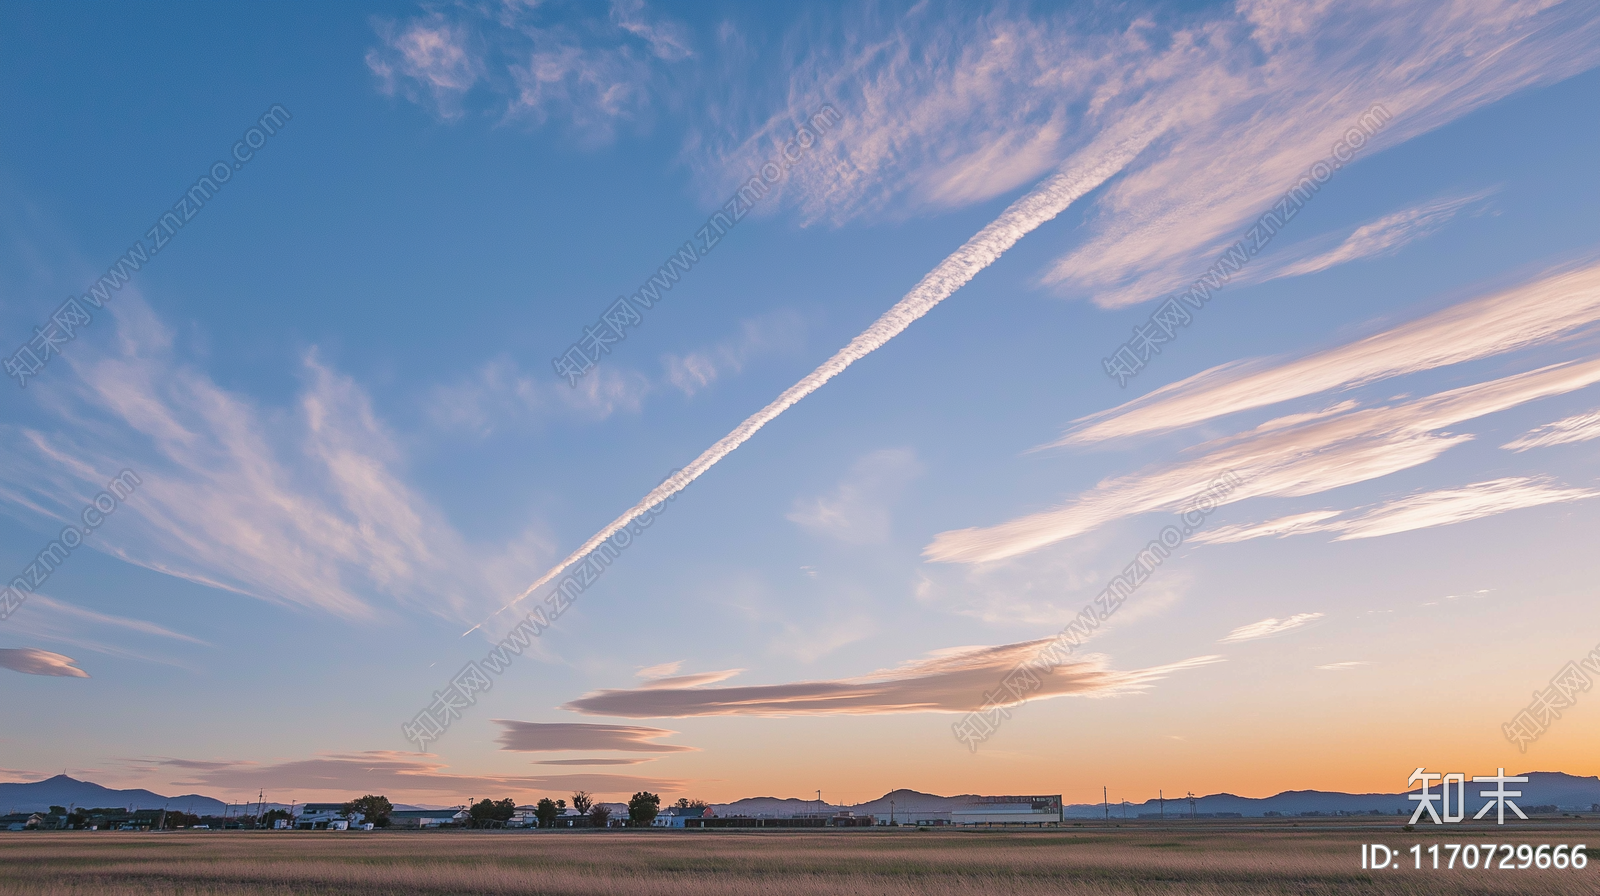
{"x": 1046, "y": 201}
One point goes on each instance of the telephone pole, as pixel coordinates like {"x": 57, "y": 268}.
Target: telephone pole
{"x": 1104, "y": 803}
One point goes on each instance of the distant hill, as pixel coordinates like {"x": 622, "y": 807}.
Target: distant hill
{"x": 63, "y": 791}
{"x": 1569, "y": 792}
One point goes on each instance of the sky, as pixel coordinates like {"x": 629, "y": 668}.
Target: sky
{"x": 768, "y": 384}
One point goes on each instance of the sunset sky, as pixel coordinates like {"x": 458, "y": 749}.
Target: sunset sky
{"x": 345, "y": 386}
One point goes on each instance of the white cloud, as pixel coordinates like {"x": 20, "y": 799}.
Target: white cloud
{"x": 1382, "y": 237}
{"x": 1278, "y": 528}
{"x": 770, "y": 334}
{"x": 660, "y": 670}
{"x": 592, "y": 74}
{"x": 1553, "y": 307}
{"x": 1342, "y": 667}
{"x": 945, "y": 106}
{"x": 1577, "y": 428}
{"x": 1047, "y": 587}
{"x": 500, "y": 394}
{"x": 1427, "y": 510}
{"x": 304, "y": 505}
{"x": 857, "y": 511}
{"x": 1266, "y": 628}
{"x": 1302, "y": 458}
{"x": 427, "y": 60}
{"x": 1458, "y": 505}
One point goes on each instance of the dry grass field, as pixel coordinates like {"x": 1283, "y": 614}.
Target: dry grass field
{"x": 1226, "y": 860}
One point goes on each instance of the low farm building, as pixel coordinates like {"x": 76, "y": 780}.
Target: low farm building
{"x": 1009, "y": 810}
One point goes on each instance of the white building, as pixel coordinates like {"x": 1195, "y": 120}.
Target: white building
{"x": 1009, "y": 810}
{"x": 674, "y": 817}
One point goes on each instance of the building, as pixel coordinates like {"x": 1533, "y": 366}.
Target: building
{"x": 325, "y": 817}
{"x": 674, "y": 817}
{"x": 428, "y": 818}
{"x": 1009, "y": 810}
{"x": 20, "y": 821}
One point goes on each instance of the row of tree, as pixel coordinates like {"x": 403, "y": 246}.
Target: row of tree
{"x": 643, "y": 807}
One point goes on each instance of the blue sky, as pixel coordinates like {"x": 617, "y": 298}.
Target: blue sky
{"x": 335, "y": 384}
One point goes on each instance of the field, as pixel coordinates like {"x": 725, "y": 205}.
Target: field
{"x": 1136, "y": 858}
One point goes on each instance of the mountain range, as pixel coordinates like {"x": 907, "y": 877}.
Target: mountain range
{"x": 1568, "y": 792}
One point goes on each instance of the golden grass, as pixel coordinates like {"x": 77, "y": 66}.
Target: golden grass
{"x": 1137, "y": 859}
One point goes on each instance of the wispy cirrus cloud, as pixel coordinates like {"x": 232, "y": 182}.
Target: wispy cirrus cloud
{"x": 1303, "y": 456}
{"x": 946, "y": 106}
{"x": 1382, "y": 237}
{"x": 780, "y": 333}
{"x": 33, "y": 661}
{"x": 305, "y": 505}
{"x": 429, "y": 60}
{"x": 1426, "y": 510}
{"x": 857, "y": 510}
{"x": 953, "y": 680}
{"x": 555, "y": 737}
{"x": 1577, "y": 428}
{"x": 500, "y": 394}
{"x": 1553, "y": 307}
{"x": 1266, "y": 628}
{"x": 591, "y": 73}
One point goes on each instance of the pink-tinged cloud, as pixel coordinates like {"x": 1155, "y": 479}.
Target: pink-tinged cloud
{"x": 553, "y": 737}
{"x": 1298, "y": 456}
{"x": 954, "y": 680}
{"x": 577, "y": 762}
{"x": 1578, "y": 428}
{"x": 1539, "y": 312}
{"x": 396, "y": 775}
{"x": 32, "y": 661}
{"x": 1266, "y": 628}
{"x": 1426, "y": 510}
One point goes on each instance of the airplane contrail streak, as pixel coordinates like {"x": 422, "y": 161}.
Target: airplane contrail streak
{"x": 1046, "y": 201}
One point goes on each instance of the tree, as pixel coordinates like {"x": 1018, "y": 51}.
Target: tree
{"x": 375, "y": 809}
{"x": 598, "y": 815}
{"x": 582, "y": 801}
{"x": 547, "y": 812}
{"x": 275, "y": 814}
{"x": 492, "y": 813}
{"x": 176, "y": 819}
{"x": 642, "y": 808}
{"x": 562, "y": 805}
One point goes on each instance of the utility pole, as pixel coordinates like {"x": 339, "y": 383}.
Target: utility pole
{"x": 1103, "y": 803}
{"x": 1162, "y": 798}
{"x": 1191, "y": 804}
